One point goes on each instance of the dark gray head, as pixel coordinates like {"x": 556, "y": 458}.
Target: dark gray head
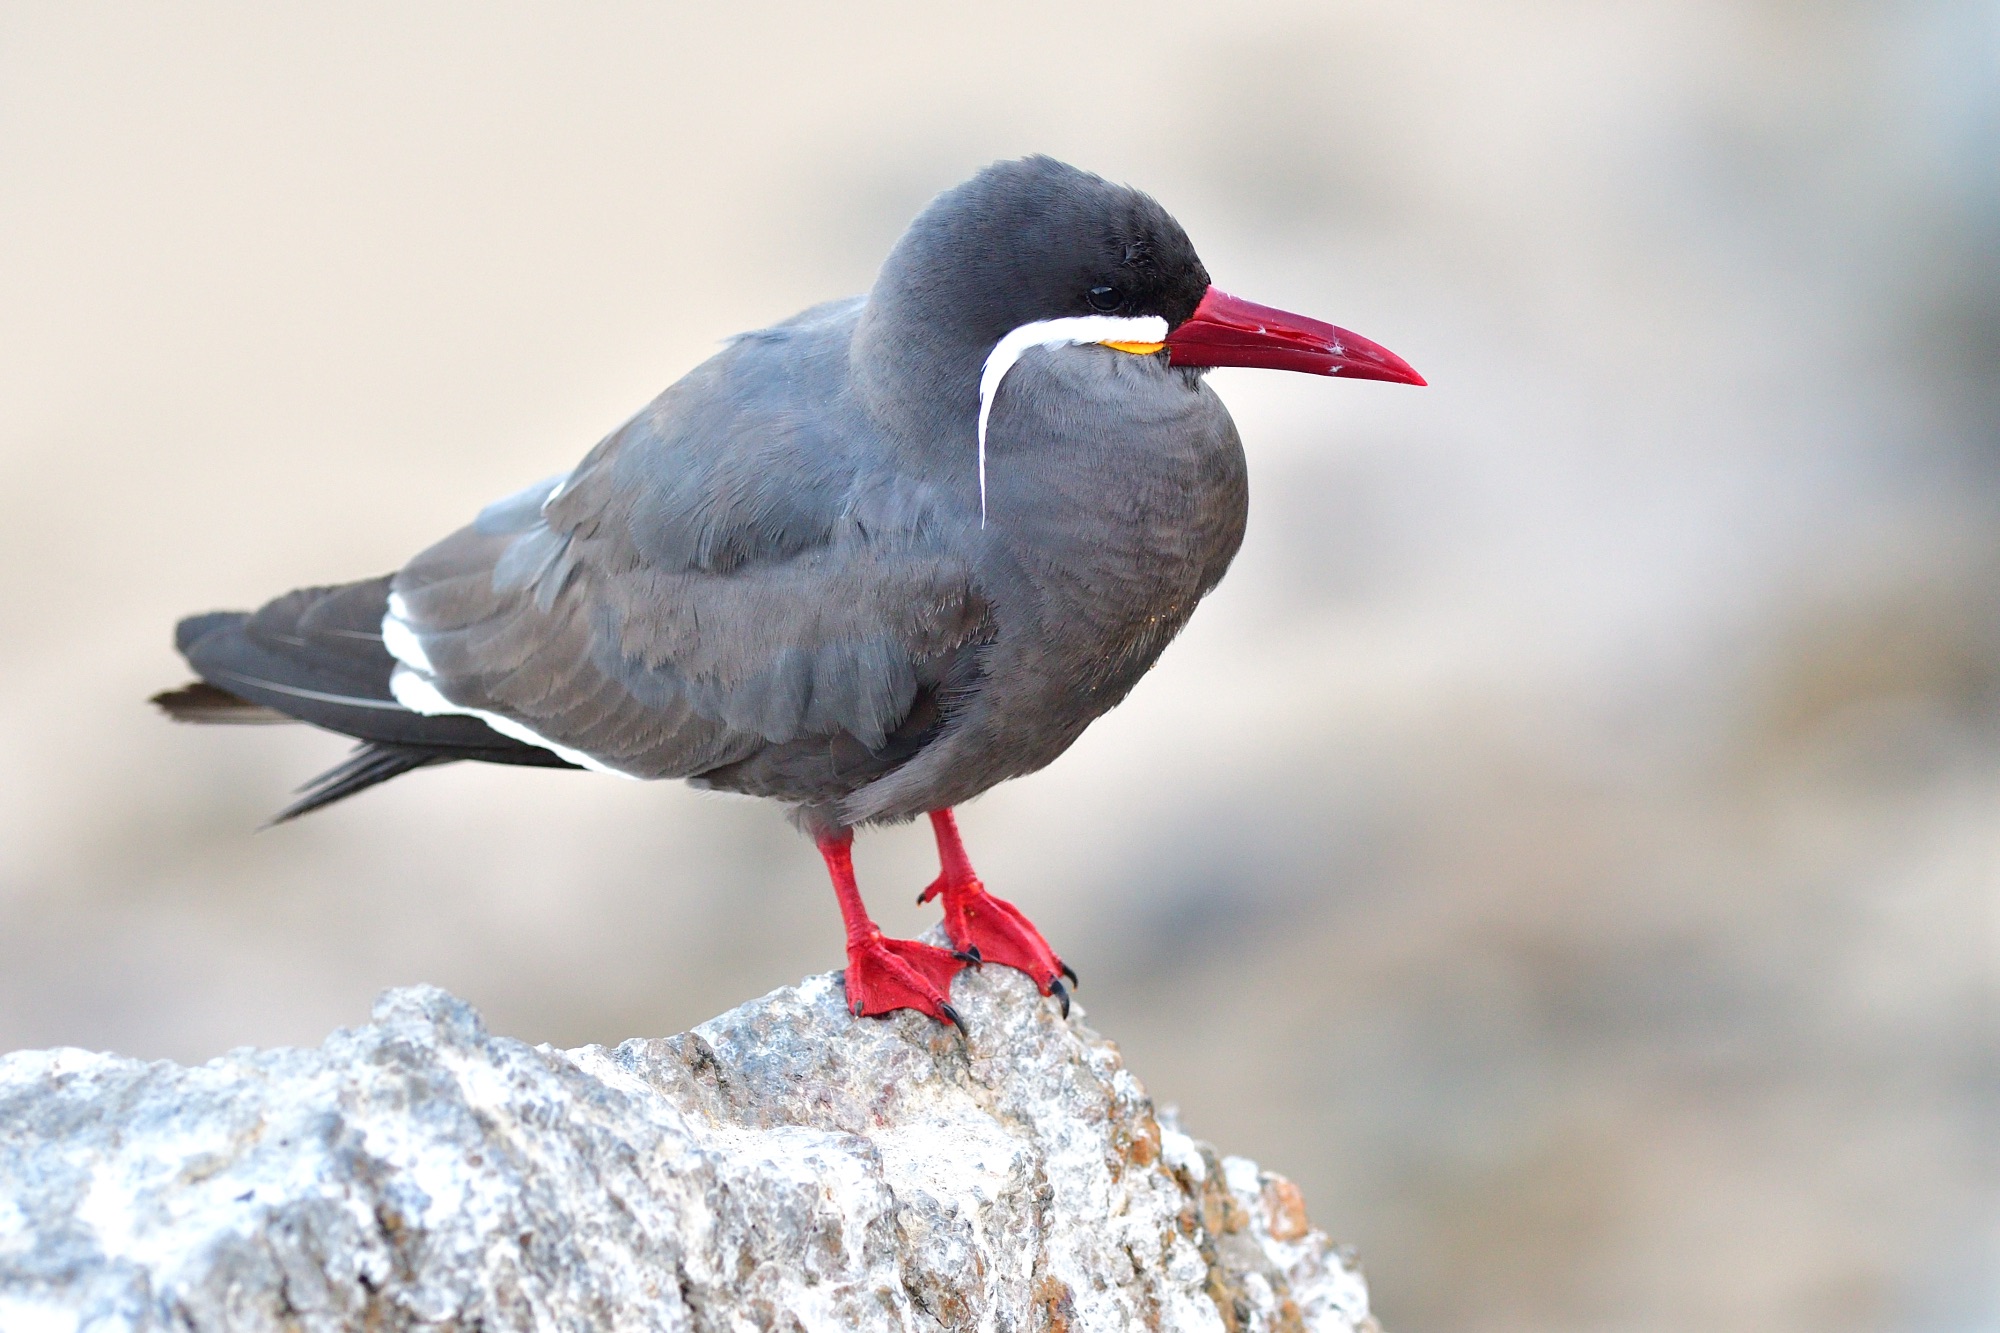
{"x": 1035, "y": 253}
{"x": 1023, "y": 241}
{"x": 1038, "y": 239}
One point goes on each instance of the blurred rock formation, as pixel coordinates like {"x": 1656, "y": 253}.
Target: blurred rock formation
{"x": 783, "y": 1166}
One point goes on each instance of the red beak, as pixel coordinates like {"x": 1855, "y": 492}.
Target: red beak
{"x": 1226, "y": 330}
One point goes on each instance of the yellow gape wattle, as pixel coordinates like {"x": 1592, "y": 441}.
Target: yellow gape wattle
{"x": 1137, "y": 349}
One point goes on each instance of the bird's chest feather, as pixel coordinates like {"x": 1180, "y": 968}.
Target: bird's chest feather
{"x": 1119, "y": 494}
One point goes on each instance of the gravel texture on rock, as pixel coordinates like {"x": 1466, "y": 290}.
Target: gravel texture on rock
{"x": 782, "y": 1167}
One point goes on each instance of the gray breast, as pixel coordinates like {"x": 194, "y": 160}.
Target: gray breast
{"x": 1117, "y": 497}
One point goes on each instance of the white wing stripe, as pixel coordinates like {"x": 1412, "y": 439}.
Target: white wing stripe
{"x": 420, "y": 696}
{"x": 412, "y": 684}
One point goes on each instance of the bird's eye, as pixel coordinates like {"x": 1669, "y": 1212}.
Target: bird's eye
{"x": 1106, "y": 298}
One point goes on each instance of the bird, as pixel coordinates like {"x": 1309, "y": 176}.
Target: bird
{"x": 868, "y": 562}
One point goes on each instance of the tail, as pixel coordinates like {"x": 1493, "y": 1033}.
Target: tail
{"x": 316, "y": 656}
{"x": 200, "y": 701}
{"x": 369, "y": 764}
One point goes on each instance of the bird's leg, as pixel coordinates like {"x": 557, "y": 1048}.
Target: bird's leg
{"x": 882, "y": 973}
{"x": 985, "y": 929}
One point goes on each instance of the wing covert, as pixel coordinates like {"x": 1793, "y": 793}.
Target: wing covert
{"x": 717, "y": 577}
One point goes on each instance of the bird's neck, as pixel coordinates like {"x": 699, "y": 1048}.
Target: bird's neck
{"x": 919, "y": 381}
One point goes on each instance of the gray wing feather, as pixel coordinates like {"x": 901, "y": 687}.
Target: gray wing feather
{"x": 717, "y": 577}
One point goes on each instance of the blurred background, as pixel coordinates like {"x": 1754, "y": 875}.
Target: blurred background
{"x": 1567, "y": 842}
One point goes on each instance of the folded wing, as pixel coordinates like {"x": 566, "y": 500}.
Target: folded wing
{"x": 719, "y": 579}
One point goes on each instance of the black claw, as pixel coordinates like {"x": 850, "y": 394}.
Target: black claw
{"x": 1056, "y": 989}
{"x": 1070, "y": 972}
{"x": 952, "y": 1014}
{"x": 969, "y": 954}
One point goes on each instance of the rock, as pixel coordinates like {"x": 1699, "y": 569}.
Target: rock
{"x": 782, "y": 1167}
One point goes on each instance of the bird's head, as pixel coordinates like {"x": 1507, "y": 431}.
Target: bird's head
{"x": 1036, "y": 253}
{"x": 1035, "y": 241}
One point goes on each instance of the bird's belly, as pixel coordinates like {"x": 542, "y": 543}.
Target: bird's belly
{"x": 1104, "y": 630}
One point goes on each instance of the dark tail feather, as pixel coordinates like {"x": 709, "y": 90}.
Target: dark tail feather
{"x": 203, "y": 702}
{"x": 369, "y": 764}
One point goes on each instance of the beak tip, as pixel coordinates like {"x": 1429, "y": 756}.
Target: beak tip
{"x": 1389, "y": 369}
{"x": 1368, "y": 359}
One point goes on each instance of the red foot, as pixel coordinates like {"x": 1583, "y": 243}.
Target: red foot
{"x": 985, "y": 929}
{"x": 884, "y": 974}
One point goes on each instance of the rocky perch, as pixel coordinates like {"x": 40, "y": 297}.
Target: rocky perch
{"x": 782, "y": 1167}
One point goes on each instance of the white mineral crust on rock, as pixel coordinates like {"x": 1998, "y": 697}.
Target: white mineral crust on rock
{"x": 783, "y": 1167}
